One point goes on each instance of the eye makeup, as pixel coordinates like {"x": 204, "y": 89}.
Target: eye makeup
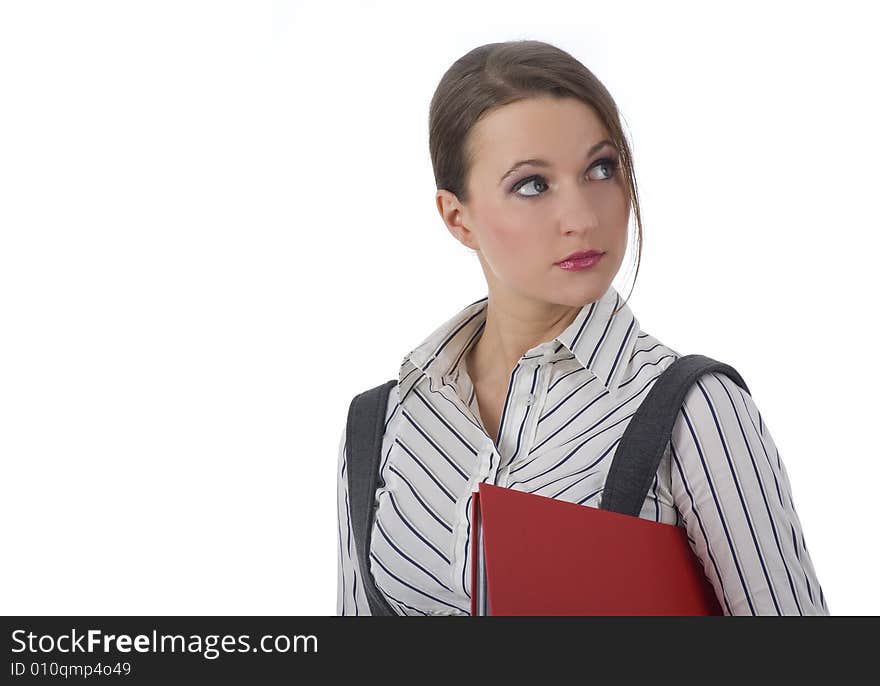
{"x": 610, "y": 162}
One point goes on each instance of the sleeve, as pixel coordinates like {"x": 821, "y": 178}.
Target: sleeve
{"x": 350, "y": 596}
{"x": 733, "y": 495}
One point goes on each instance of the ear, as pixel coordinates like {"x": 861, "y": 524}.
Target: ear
{"x": 455, "y": 216}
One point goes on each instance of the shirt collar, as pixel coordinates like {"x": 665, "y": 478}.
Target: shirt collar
{"x": 601, "y": 344}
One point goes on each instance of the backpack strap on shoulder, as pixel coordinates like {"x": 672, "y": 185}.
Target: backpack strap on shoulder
{"x": 364, "y": 431}
{"x": 644, "y": 442}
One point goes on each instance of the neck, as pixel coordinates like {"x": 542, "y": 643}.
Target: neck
{"x": 512, "y": 331}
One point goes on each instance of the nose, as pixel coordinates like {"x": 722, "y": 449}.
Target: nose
{"x": 579, "y": 213}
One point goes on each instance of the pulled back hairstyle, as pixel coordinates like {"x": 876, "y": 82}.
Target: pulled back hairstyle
{"x": 497, "y": 74}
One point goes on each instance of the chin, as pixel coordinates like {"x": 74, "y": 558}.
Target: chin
{"x": 586, "y": 292}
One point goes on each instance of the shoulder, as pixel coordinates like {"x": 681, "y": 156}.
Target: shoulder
{"x": 714, "y": 405}
{"x": 714, "y": 388}
{"x": 718, "y": 417}
{"x": 718, "y": 394}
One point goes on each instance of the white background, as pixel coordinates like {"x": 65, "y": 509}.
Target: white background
{"x": 212, "y": 215}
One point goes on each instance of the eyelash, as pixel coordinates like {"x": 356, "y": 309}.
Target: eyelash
{"x": 610, "y": 162}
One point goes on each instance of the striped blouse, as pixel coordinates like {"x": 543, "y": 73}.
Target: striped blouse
{"x": 568, "y": 403}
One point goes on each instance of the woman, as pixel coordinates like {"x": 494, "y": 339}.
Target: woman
{"x": 532, "y": 387}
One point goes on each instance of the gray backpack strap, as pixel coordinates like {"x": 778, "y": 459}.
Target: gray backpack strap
{"x": 644, "y": 442}
{"x": 364, "y": 432}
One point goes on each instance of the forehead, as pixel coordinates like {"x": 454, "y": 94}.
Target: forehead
{"x": 554, "y": 128}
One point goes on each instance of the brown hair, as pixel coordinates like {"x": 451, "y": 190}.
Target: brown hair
{"x": 498, "y": 74}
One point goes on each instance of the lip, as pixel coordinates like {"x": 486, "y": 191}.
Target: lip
{"x": 583, "y": 259}
{"x": 580, "y": 255}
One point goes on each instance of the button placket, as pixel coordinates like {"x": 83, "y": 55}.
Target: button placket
{"x": 512, "y": 420}
{"x": 535, "y": 402}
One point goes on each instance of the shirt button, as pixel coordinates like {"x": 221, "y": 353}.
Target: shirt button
{"x": 530, "y": 398}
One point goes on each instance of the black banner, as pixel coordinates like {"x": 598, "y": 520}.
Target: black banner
{"x": 154, "y": 650}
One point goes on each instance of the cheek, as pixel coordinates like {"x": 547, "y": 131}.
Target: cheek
{"x": 512, "y": 244}
{"x": 509, "y": 229}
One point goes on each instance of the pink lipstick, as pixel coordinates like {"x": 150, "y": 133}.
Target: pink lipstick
{"x": 583, "y": 259}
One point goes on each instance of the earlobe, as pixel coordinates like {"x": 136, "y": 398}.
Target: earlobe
{"x": 461, "y": 234}
{"x": 467, "y": 239}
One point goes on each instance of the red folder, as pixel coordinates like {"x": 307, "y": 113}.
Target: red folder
{"x": 535, "y": 555}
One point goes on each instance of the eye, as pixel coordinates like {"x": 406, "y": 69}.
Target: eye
{"x": 609, "y": 163}
{"x": 525, "y": 182}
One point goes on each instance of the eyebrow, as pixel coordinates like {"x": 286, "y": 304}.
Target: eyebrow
{"x": 537, "y": 162}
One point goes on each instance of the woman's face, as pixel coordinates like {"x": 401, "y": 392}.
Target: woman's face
{"x": 523, "y": 220}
